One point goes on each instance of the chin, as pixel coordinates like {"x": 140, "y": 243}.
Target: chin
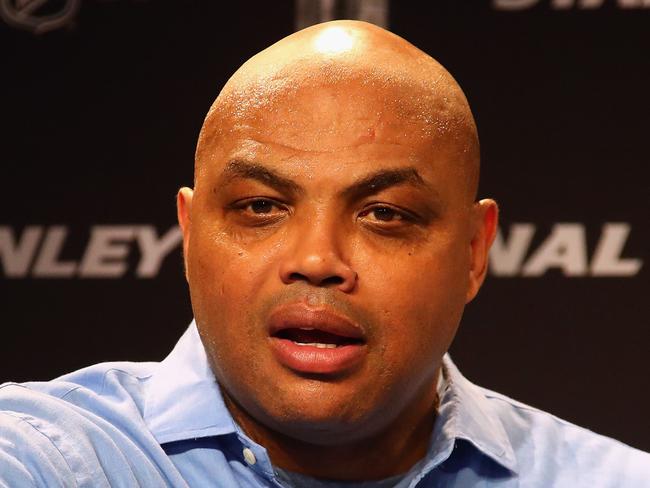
{"x": 323, "y": 431}
{"x": 319, "y": 415}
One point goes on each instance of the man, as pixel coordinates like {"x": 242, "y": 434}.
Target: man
{"x": 331, "y": 242}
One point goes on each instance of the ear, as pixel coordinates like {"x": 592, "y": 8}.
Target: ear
{"x": 484, "y": 227}
{"x": 184, "y": 213}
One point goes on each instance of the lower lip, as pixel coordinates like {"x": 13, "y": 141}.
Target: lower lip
{"x": 310, "y": 359}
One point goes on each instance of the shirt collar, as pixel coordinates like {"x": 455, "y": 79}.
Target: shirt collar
{"x": 465, "y": 413}
{"x": 183, "y": 401}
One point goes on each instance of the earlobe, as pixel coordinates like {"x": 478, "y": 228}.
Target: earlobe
{"x": 184, "y": 214}
{"x": 486, "y": 219}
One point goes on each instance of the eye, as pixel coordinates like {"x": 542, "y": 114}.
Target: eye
{"x": 385, "y": 214}
{"x": 381, "y": 213}
{"x": 261, "y": 206}
{"x": 258, "y": 211}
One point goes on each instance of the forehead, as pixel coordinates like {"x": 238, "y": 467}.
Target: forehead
{"x": 326, "y": 115}
{"x": 346, "y": 123}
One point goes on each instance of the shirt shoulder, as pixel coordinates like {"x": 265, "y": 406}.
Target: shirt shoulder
{"x": 83, "y": 429}
{"x": 564, "y": 454}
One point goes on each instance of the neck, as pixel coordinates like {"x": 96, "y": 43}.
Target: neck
{"x": 389, "y": 452}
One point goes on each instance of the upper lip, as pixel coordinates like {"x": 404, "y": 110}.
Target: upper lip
{"x": 301, "y": 316}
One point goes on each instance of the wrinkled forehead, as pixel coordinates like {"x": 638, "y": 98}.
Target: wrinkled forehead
{"x": 334, "y": 101}
{"x": 320, "y": 106}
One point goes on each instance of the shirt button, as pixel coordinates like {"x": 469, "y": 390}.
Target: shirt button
{"x": 249, "y": 457}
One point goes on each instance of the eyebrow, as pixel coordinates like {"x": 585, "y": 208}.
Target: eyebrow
{"x": 368, "y": 185}
{"x": 384, "y": 179}
{"x": 253, "y": 171}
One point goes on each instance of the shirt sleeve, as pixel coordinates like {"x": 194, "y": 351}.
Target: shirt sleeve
{"x": 28, "y": 458}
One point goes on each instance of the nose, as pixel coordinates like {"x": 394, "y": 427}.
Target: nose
{"x": 314, "y": 256}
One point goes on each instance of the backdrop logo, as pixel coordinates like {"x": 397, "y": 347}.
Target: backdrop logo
{"x": 565, "y": 248}
{"x": 39, "y": 16}
{"x": 37, "y": 252}
{"x": 568, "y": 4}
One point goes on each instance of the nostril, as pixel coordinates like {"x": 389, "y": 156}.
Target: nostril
{"x": 332, "y": 280}
{"x": 297, "y": 277}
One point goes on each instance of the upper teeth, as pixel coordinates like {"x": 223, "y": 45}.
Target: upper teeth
{"x": 320, "y": 345}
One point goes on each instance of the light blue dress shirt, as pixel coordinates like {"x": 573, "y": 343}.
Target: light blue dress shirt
{"x": 165, "y": 424}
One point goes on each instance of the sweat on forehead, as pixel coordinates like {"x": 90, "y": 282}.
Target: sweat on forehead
{"x": 338, "y": 62}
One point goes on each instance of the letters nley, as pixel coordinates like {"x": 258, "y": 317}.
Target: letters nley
{"x": 106, "y": 255}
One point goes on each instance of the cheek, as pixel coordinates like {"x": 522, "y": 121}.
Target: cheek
{"x": 420, "y": 294}
{"x": 423, "y": 273}
{"x": 226, "y": 283}
{"x": 225, "y": 278}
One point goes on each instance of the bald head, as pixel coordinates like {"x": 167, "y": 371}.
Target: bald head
{"x": 359, "y": 59}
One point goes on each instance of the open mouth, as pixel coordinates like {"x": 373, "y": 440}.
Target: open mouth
{"x": 315, "y": 341}
{"x": 309, "y": 336}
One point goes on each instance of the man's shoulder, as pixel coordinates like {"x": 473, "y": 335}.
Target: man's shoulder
{"x": 69, "y": 427}
{"x": 543, "y": 442}
{"x": 101, "y": 396}
{"x": 86, "y": 389}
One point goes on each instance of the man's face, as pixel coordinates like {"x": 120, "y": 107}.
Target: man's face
{"x": 328, "y": 250}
